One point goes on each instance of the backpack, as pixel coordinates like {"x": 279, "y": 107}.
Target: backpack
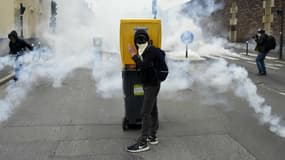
{"x": 161, "y": 67}
{"x": 270, "y": 43}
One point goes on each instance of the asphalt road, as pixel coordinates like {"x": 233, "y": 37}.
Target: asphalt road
{"x": 74, "y": 122}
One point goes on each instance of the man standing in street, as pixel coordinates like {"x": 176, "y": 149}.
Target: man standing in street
{"x": 17, "y": 47}
{"x": 147, "y": 58}
{"x": 261, "y": 40}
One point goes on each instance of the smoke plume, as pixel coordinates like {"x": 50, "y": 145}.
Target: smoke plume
{"x": 79, "y": 23}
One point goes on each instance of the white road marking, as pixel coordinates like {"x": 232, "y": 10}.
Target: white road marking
{"x": 275, "y": 68}
{"x": 273, "y": 90}
{"x": 222, "y": 56}
{"x": 212, "y": 57}
{"x": 275, "y": 65}
{"x": 247, "y": 58}
{"x": 251, "y": 62}
{"x": 279, "y": 61}
{"x": 267, "y": 65}
{"x": 229, "y": 57}
{"x": 271, "y": 58}
{"x": 252, "y": 55}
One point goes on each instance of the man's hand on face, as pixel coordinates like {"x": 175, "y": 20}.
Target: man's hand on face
{"x": 132, "y": 50}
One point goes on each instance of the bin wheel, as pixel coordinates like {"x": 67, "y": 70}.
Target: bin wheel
{"x": 125, "y": 124}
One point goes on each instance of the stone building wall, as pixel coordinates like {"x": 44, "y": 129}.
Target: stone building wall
{"x": 35, "y": 19}
{"x": 251, "y": 15}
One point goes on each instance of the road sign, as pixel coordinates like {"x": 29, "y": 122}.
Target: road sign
{"x": 187, "y": 37}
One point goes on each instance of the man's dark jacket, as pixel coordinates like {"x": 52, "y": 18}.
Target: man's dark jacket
{"x": 148, "y": 66}
{"x": 19, "y": 47}
{"x": 261, "y": 43}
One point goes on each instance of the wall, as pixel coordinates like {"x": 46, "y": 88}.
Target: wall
{"x": 7, "y": 18}
{"x": 251, "y": 16}
{"x": 36, "y": 17}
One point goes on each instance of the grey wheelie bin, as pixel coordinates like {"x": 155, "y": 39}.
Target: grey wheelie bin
{"x": 133, "y": 99}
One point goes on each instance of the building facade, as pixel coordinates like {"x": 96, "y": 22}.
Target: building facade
{"x": 244, "y": 17}
{"x": 35, "y": 18}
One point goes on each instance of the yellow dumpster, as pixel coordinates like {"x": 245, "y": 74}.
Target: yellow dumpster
{"x": 127, "y": 31}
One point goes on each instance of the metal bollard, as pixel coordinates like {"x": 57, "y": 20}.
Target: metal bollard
{"x": 186, "y": 56}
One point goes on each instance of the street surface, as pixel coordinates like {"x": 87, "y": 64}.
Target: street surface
{"x": 74, "y": 123}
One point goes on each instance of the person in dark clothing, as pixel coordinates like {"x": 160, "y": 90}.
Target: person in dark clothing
{"x": 17, "y": 48}
{"x": 146, "y": 58}
{"x": 260, "y": 39}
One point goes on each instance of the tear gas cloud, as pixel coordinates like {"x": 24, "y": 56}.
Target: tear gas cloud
{"x": 203, "y": 8}
{"x": 79, "y": 22}
{"x": 224, "y": 77}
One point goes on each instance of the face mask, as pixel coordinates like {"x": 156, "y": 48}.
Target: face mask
{"x": 142, "y": 47}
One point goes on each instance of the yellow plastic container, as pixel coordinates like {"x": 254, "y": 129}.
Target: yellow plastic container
{"x": 127, "y": 31}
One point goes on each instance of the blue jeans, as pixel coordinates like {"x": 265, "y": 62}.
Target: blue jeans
{"x": 260, "y": 63}
{"x": 18, "y": 64}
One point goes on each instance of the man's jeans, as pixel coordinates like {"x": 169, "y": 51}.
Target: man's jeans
{"x": 260, "y": 63}
{"x": 149, "y": 112}
{"x": 18, "y": 64}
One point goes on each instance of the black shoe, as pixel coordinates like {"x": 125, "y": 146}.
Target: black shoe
{"x": 15, "y": 78}
{"x": 138, "y": 147}
{"x": 152, "y": 140}
{"x": 261, "y": 74}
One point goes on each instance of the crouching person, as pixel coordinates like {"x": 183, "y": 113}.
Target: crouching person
{"x": 17, "y": 48}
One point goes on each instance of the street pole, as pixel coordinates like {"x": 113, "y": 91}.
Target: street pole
{"x": 281, "y": 35}
{"x": 22, "y": 11}
{"x": 22, "y": 26}
{"x": 53, "y": 16}
{"x": 154, "y": 9}
{"x": 186, "y": 56}
{"x": 281, "y": 14}
{"x": 247, "y": 48}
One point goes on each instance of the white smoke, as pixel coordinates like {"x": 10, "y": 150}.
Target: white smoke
{"x": 202, "y": 8}
{"x": 224, "y": 77}
{"x": 107, "y": 75}
{"x": 16, "y": 92}
{"x": 79, "y": 22}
